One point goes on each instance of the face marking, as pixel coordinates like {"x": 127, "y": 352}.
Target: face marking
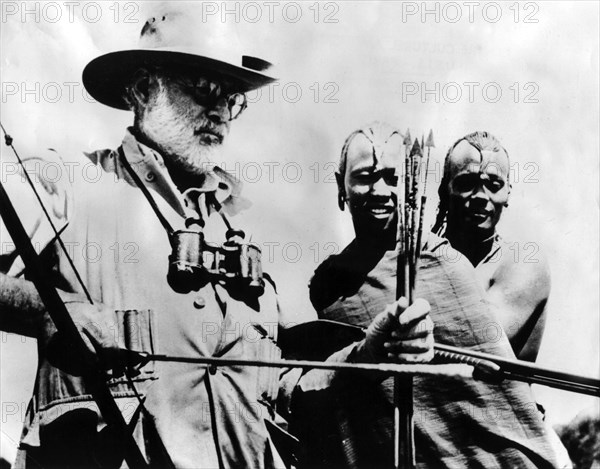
{"x": 370, "y": 179}
{"x": 478, "y": 187}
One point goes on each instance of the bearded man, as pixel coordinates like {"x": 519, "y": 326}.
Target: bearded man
{"x": 346, "y": 420}
{"x": 185, "y": 85}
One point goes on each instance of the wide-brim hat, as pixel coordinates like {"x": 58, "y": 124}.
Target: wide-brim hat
{"x": 176, "y": 39}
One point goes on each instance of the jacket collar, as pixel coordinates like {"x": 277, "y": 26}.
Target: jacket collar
{"x": 149, "y": 165}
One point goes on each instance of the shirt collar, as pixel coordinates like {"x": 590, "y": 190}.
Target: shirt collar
{"x": 150, "y": 167}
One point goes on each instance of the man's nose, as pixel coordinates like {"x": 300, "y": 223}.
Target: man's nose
{"x": 380, "y": 187}
{"x": 480, "y": 191}
{"x": 218, "y": 113}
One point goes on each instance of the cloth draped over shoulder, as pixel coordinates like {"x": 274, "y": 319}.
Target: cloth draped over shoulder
{"x": 346, "y": 420}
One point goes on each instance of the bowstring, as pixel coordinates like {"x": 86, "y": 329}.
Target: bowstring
{"x": 8, "y": 141}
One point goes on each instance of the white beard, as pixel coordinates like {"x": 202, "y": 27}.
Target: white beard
{"x": 173, "y": 129}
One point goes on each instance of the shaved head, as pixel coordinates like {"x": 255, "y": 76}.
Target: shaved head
{"x": 367, "y": 177}
{"x": 475, "y": 187}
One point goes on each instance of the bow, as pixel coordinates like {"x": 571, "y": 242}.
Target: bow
{"x": 94, "y": 378}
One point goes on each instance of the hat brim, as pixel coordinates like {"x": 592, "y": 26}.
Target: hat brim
{"x": 106, "y": 77}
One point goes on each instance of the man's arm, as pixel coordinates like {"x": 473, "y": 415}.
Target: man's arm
{"x": 21, "y": 309}
{"x": 518, "y": 294}
{"x": 399, "y": 334}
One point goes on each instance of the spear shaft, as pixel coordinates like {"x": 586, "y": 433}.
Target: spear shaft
{"x": 429, "y": 143}
{"x": 404, "y": 445}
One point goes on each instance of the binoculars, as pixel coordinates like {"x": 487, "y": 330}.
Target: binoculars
{"x": 193, "y": 263}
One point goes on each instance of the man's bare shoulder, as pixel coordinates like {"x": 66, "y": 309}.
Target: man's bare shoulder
{"x": 517, "y": 280}
{"x": 519, "y": 268}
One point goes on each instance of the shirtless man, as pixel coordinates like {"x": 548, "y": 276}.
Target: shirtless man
{"x": 346, "y": 420}
{"x": 473, "y": 192}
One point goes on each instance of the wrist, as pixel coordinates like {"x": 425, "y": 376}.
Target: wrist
{"x": 362, "y": 353}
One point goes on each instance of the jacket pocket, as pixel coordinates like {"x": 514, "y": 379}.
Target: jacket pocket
{"x": 136, "y": 333}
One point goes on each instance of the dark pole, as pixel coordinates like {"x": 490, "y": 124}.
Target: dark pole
{"x": 94, "y": 379}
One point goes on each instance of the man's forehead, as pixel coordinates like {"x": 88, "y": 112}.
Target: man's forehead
{"x": 362, "y": 150}
{"x": 465, "y": 157}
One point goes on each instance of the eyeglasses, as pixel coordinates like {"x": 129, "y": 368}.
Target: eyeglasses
{"x": 208, "y": 93}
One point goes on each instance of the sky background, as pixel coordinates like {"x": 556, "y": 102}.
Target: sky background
{"x": 342, "y": 65}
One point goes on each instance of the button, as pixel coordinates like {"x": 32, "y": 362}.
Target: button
{"x": 199, "y": 302}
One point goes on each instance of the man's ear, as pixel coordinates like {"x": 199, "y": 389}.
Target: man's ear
{"x": 140, "y": 87}
{"x": 341, "y": 191}
{"x": 508, "y": 195}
